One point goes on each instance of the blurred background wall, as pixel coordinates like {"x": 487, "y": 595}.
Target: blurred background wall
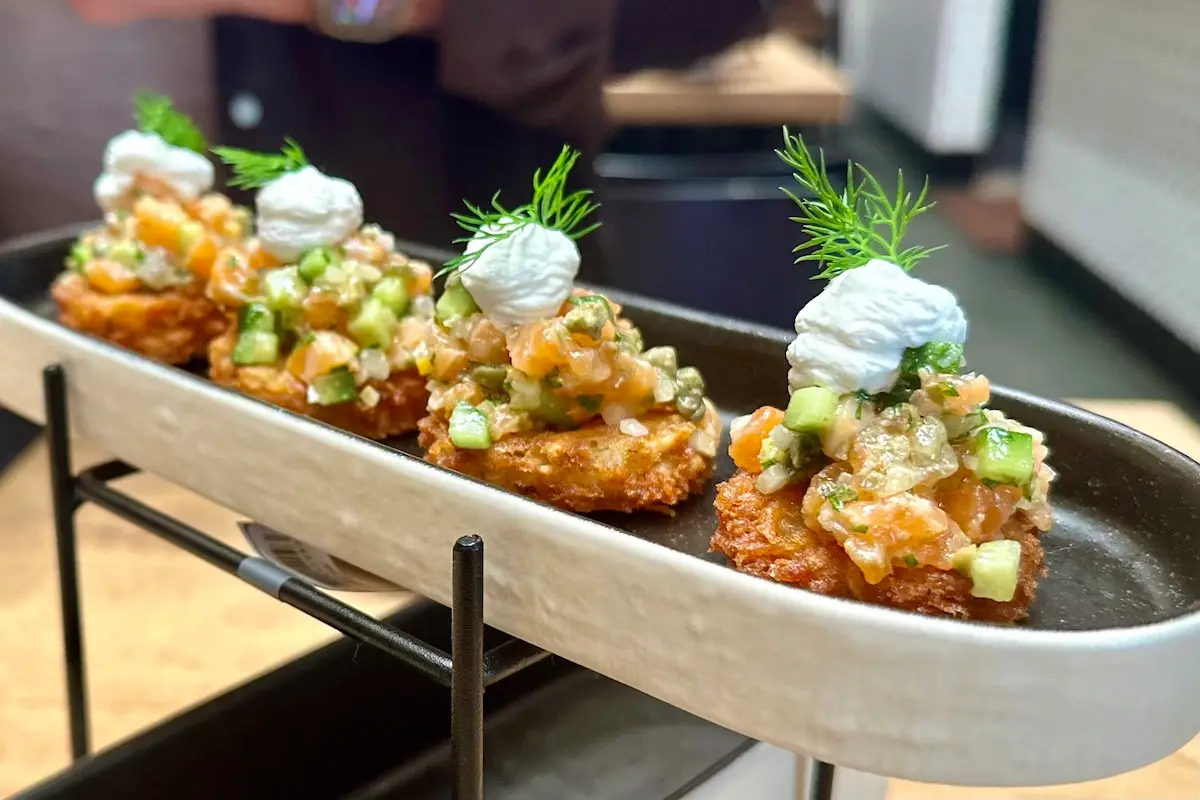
{"x": 65, "y": 89}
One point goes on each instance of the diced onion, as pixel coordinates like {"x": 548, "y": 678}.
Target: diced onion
{"x": 773, "y": 479}
{"x": 373, "y": 365}
{"x": 615, "y": 413}
{"x": 664, "y": 388}
{"x": 369, "y": 396}
{"x": 423, "y": 306}
{"x": 633, "y": 427}
{"x": 703, "y": 443}
{"x": 782, "y": 437}
{"x": 737, "y": 425}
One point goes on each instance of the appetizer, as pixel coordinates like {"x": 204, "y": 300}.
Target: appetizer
{"x": 138, "y": 280}
{"x": 886, "y": 478}
{"x": 545, "y": 389}
{"x": 326, "y": 315}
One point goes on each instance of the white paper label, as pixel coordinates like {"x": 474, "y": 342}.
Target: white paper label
{"x": 310, "y": 564}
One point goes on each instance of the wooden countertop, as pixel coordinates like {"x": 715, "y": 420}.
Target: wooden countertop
{"x": 775, "y": 80}
{"x": 164, "y": 631}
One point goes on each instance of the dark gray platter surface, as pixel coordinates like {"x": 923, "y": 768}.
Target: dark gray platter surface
{"x": 1125, "y": 549}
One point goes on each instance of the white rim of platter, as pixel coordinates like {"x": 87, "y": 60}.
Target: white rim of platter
{"x": 862, "y": 687}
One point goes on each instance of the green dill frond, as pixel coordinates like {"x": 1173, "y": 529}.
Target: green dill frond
{"x": 551, "y": 207}
{"x": 155, "y": 113}
{"x": 255, "y": 170}
{"x": 847, "y": 229}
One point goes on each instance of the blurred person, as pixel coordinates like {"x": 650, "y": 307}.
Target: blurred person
{"x": 449, "y": 99}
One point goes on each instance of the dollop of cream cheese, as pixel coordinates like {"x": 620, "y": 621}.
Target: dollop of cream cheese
{"x": 853, "y": 335}
{"x": 134, "y": 153}
{"x": 524, "y": 277}
{"x": 306, "y": 209}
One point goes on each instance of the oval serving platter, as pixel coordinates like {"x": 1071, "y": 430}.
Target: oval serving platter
{"x": 1098, "y": 682}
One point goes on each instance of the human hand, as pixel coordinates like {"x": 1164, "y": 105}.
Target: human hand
{"x": 119, "y": 12}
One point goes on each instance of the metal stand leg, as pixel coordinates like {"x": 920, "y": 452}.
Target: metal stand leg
{"x": 62, "y": 492}
{"x": 467, "y": 670}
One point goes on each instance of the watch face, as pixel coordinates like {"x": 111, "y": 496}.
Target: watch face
{"x": 363, "y": 20}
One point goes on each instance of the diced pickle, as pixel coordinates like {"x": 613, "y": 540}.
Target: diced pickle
{"x": 255, "y": 348}
{"x": 588, "y": 315}
{"x": 490, "y": 376}
{"x": 811, "y": 410}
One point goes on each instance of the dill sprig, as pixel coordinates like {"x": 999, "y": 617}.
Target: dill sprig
{"x": 255, "y": 170}
{"x": 155, "y": 113}
{"x": 551, "y": 207}
{"x": 847, "y": 229}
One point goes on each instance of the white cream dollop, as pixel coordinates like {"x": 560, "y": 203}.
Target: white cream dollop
{"x": 134, "y": 153}
{"x": 853, "y": 335}
{"x": 524, "y": 277}
{"x": 306, "y": 209}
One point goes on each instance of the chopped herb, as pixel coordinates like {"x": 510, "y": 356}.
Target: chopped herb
{"x": 255, "y": 170}
{"x": 910, "y": 560}
{"x": 838, "y": 494}
{"x": 988, "y": 482}
{"x": 944, "y": 358}
{"x": 551, "y": 208}
{"x": 591, "y": 402}
{"x": 156, "y": 114}
{"x": 859, "y": 528}
{"x": 553, "y": 379}
{"x": 863, "y": 399}
{"x": 946, "y": 390}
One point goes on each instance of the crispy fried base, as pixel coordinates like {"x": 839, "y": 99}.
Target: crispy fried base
{"x": 595, "y": 468}
{"x": 765, "y": 536}
{"x": 172, "y": 326}
{"x": 402, "y": 397}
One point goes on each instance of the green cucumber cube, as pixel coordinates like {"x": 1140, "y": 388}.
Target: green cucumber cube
{"x": 1003, "y": 456}
{"x": 374, "y": 324}
{"x": 455, "y": 304}
{"x": 256, "y": 348}
{"x": 256, "y": 317}
{"x": 469, "y": 428}
{"x": 314, "y": 262}
{"x": 811, "y": 410}
{"x": 995, "y": 569}
{"x": 335, "y": 387}
{"x": 393, "y": 293}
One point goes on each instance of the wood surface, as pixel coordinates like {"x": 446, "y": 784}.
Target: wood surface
{"x": 164, "y": 631}
{"x": 774, "y": 80}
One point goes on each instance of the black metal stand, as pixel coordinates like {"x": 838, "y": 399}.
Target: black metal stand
{"x": 467, "y": 670}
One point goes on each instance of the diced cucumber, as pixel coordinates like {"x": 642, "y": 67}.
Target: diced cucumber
{"x": 256, "y": 317}
{"x": 454, "y": 304}
{"x": 770, "y": 454}
{"x": 995, "y": 569}
{"x": 469, "y": 429}
{"x": 1003, "y": 456}
{"x": 79, "y": 256}
{"x": 588, "y": 315}
{"x": 284, "y": 288}
{"x": 963, "y": 558}
{"x": 314, "y": 262}
{"x": 189, "y": 234}
{"x": 490, "y": 376}
{"x": 773, "y": 479}
{"x": 392, "y": 290}
{"x": 811, "y": 410}
{"x": 126, "y": 252}
{"x": 374, "y": 324}
{"x": 665, "y": 358}
{"x": 335, "y": 387}
{"x": 944, "y": 358}
{"x": 256, "y": 347}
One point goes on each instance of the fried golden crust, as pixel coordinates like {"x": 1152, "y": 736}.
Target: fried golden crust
{"x": 764, "y": 535}
{"x": 402, "y": 397}
{"x": 595, "y": 468}
{"x": 172, "y": 326}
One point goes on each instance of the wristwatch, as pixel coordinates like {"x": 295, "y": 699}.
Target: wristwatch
{"x": 365, "y": 20}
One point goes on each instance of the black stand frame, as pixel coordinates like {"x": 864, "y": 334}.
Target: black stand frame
{"x": 467, "y": 670}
